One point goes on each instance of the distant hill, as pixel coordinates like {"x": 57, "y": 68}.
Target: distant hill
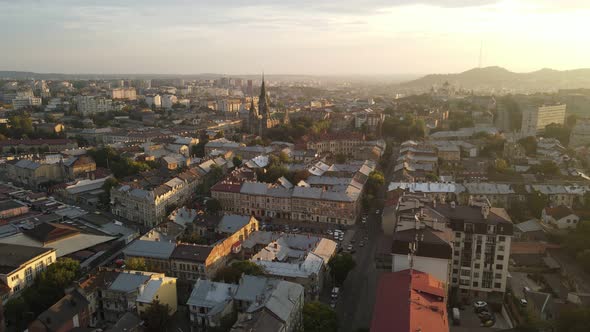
{"x": 498, "y": 78}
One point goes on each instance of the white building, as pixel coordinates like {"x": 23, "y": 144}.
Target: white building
{"x": 534, "y": 120}
{"x": 154, "y": 100}
{"x": 168, "y": 101}
{"x": 124, "y": 93}
{"x": 23, "y": 102}
{"x": 91, "y": 105}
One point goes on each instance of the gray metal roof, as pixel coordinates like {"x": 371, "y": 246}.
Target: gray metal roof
{"x": 153, "y": 249}
{"x": 127, "y": 282}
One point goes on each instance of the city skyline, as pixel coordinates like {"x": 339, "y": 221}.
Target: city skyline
{"x": 304, "y": 37}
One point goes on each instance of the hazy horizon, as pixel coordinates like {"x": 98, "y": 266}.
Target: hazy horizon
{"x": 327, "y": 38}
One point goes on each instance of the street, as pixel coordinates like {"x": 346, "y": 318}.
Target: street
{"x": 357, "y": 297}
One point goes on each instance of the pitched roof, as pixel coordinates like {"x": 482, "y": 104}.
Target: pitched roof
{"x": 50, "y": 232}
{"x": 423, "y": 308}
{"x": 12, "y": 256}
{"x": 191, "y": 252}
{"x": 559, "y": 212}
{"x": 64, "y": 310}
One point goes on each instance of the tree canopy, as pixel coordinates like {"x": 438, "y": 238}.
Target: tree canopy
{"x": 156, "y": 316}
{"x": 319, "y": 317}
{"x": 233, "y": 273}
{"x": 340, "y": 265}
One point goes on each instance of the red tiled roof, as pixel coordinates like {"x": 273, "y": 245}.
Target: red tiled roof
{"x": 424, "y": 310}
{"x": 559, "y": 212}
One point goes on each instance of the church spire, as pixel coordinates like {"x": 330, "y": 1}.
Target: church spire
{"x": 263, "y": 103}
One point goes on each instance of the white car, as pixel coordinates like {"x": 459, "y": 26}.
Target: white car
{"x": 479, "y": 304}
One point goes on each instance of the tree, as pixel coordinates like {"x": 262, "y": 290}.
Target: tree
{"x": 156, "y": 316}
{"x": 529, "y": 144}
{"x": 219, "y": 134}
{"x": 319, "y": 317}
{"x": 546, "y": 167}
{"x": 233, "y": 273}
{"x": 375, "y": 181}
{"x": 47, "y": 289}
{"x": 340, "y": 265}
{"x": 573, "y": 319}
{"x": 237, "y": 161}
{"x": 136, "y": 264}
{"x": 559, "y": 132}
{"x": 105, "y": 197}
{"x": 340, "y": 158}
{"x": 537, "y": 202}
{"x": 213, "y": 206}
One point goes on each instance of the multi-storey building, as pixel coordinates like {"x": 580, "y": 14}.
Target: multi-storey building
{"x": 111, "y": 294}
{"x": 154, "y": 100}
{"x": 348, "y": 144}
{"x": 149, "y": 206}
{"x": 168, "y": 101}
{"x": 93, "y": 104}
{"x": 580, "y": 135}
{"x": 20, "y": 266}
{"x": 534, "y": 120}
{"x": 23, "y": 102}
{"x": 124, "y": 93}
{"x": 481, "y": 247}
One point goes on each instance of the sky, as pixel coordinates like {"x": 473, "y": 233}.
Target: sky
{"x": 321, "y": 37}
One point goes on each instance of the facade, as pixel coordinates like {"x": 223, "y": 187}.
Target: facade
{"x": 482, "y": 237}
{"x": 88, "y": 105}
{"x": 347, "y": 144}
{"x": 580, "y": 135}
{"x": 124, "y": 93}
{"x": 149, "y": 206}
{"x": 37, "y": 145}
{"x": 534, "y": 120}
{"x": 70, "y": 312}
{"x": 168, "y": 101}
{"x": 10, "y": 208}
{"x": 111, "y": 294}
{"x": 561, "y": 217}
{"x": 24, "y": 102}
{"x": 20, "y": 265}
{"x": 260, "y": 119}
{"x": 154, "y": 100}
{"x": 253, "y": 299}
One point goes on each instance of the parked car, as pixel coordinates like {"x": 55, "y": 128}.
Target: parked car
{"x": 350, "y": 247}
{"x": 480, "y": 306}
{"x": 523, "y": 302}
{"x": 335, "y": 292}
{"x": 456, "y": 316}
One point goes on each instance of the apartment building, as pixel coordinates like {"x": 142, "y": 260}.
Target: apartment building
{"x": 154, "y": 100}
{"x": 349, "y": 144}
{"x": 113, "y": 293}
{"x": 580, "y": 135}
{"x": 123, "y": 93}
{"x": 149, "y": 206}
{"x": 262, "y": 304}
{"x": 24, "y": 102}
{"x": 88, "y": 105}
{"x": 482, "y": 238}
{"x": 535, "y": 119}
{"x": 20, "y": 266}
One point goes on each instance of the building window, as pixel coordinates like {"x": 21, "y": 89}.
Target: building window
{"x": 455, "y": 271}
{"x": 498, "y": 276}
{"x": 497, "y": 285}
{"x": 475, "y": 284}
{"x": 499, "y": 266}
{"x": 501, "y": 238}
{"x": 29, "y": 274}
{"x": 500, "y": 257}
{"x": 477, "y": 265}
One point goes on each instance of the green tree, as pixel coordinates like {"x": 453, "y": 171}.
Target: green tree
{"x": 136, "y": 264}
{"x": 537, "y": 202}
{"x": 340, "y": 158}
{"x": 237, "y": 161}
{"x": 319, "y": 317}
{"x": 232, "y": 274}
{"x": 340, "y": 265}
{"x": 156, "y": 317}
{"x": 546, "y": 167}
{"x": 529, "y": 144}
{"x": 573, "y": 319}
{"x": 375, "y": 181}
{"x": 105, "y": 197}
{"x": 219, "y": 134}
{"x": 559, "y": 132}
{"x": 213, "y": 206}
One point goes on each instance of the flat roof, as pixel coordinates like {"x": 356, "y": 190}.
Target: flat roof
{"x": 12, "y": 256}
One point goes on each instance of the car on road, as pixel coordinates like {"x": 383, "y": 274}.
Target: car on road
{"x": 329, "y": 232}
{"x": 362, "y": 244}
{"x": 333, "y": 304}
{"x": 480, "y": 306}
{"x": 350, "y": 247}
{"x": 523, "y": 302}
{"x": 377, "y": 211}
{"x": 364, "y": 219}
{"x": 335, "y": 292}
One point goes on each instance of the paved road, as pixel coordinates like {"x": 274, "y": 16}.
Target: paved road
{"x": 355, "y": 304}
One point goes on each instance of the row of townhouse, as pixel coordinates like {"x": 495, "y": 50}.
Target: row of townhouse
{"x": 150, "y": 206}
{"x": 499, "y": 194}
{"x": 190, "y": 262}
{"x": 339, "y": 206}
{"x": 355, "y": 146}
